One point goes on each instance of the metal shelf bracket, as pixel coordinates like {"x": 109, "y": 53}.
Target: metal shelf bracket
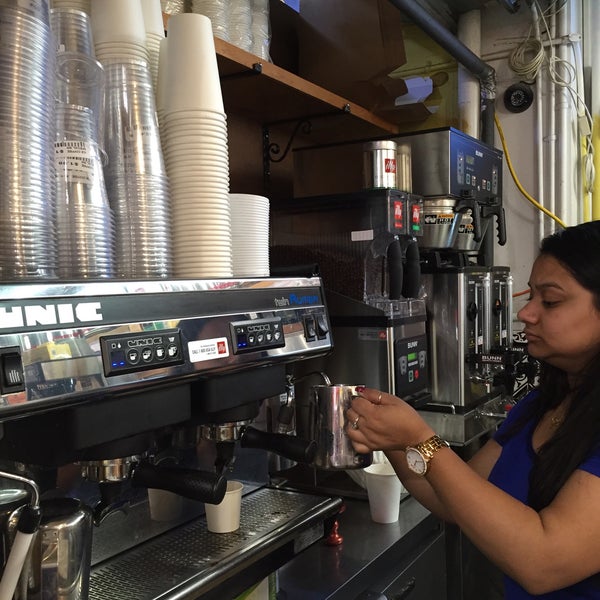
{"x": 272, "y": 152}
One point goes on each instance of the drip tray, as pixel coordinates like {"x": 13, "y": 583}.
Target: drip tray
{"x": 188, "y": 561}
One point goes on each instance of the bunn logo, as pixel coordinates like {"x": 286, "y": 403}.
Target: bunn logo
{"x": 49, "y": 314}
{"x": 303, "y": 300}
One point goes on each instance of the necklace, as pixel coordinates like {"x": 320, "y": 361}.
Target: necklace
{"x": 555, "y": 421}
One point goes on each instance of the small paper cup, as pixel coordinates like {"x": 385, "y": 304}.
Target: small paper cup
{"x": 225, "y": 516}
{"x": 384, "y": 490}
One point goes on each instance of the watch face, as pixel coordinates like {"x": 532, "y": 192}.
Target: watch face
{"x": 416, "y": 462}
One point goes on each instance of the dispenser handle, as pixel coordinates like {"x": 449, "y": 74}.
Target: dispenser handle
{"x": 396, "y": 269}
{"x": 190, "y": 483}
{"x": 289, "y": 446}
{"x": 412, "y": 271}
{"x": 498, "y": 210}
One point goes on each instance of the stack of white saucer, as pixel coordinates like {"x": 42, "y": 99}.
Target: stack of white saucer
{"x": 194, "y": 138}
{"x": 250, "y": 235}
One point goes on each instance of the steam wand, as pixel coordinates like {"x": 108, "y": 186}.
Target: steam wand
{"x": 28, "y": 523}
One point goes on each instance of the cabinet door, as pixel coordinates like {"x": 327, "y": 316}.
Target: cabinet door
{"x": 424, "y": 578}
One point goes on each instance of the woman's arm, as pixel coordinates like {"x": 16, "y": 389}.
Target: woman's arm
{"x": 421, "y": 489}
{"x": 543, "y": 551}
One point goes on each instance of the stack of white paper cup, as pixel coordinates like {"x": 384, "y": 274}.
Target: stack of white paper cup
{"x": 155, "y": 33}
{"x": 119, "y": 30}
{"x": 250, "y": 235}
{"x": 194, "y": 138}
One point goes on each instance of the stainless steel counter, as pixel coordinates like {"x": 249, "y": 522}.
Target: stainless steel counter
{"x": 373, "y": 557}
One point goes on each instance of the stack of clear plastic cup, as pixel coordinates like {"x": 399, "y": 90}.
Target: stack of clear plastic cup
{"x": 217, "y": 11}
{"x": 72, "y": 30}
{"x": 27, "y": 183}
{"x": 84, "y": 220}
{"x": 261, "y": 29}
{"x": 194, "y": 135}
{"x": 239, "y": 23}
{"x": 84, "y": 5}
{"x": 172, "y": 7}
{"x": 136, "y": 179}
{"x": 86, "y": 234}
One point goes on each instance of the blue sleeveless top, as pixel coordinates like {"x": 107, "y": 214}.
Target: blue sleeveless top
{"x": 511, "y": 474}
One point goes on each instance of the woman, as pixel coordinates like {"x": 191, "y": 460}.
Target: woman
{"x": 530, "y": 498}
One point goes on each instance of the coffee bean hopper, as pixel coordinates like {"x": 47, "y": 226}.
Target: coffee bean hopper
{"x": 108, "y": 389}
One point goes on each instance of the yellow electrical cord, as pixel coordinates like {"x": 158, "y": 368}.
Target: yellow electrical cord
{"x": 516, "y": 179}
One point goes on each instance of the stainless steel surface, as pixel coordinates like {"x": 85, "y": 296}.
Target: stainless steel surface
{"x": 189, "y": 561}
{"x": 465, "y": 238}
{"x": 379, "y": 165}
{"x": 101, "y": 471}
{"x": 328, "y": 404}
{"x": 448, "y": 162}
{"x": 372, "y": 557}
{"x": 74, "y": 339}
{"x": 440, "y": 223}
{"x": 58, "y": 565}
{"x": 462, "y": 428}
{"x": 459, "y": 309}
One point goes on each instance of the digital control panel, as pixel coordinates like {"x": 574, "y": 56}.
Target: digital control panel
{"x": 132, "y": 352}
{"x": 259, "y": 334}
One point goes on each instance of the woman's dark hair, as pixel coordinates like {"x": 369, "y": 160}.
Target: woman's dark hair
{"x": 578, "y": 250}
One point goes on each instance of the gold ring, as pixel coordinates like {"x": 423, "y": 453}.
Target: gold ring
{"x": 354, "y": 423}
{"x": 378, "y": 399}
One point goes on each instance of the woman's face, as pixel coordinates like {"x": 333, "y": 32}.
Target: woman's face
{"x": 562, "y": 325}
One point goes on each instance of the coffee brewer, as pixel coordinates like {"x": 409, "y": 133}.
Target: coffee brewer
{"x": 109, "y": 389}
{"x": 469, "y": 303}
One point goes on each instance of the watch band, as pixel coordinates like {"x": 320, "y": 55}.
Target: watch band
{"x": 429, "y": 447}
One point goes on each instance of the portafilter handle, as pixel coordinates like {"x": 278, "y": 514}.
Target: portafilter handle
{"x": 289, "y": 446}
{"x": 198, "y": 485}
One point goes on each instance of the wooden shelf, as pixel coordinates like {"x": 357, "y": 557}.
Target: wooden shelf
{"x": 271, "y": 95}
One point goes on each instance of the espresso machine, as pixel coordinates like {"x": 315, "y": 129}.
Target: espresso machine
{"x": 111, "y": 389}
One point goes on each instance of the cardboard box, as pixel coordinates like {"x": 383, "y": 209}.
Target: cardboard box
{"x": 350, "y": 47}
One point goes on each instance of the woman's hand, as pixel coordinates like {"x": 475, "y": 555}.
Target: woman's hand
{"x": 380, "y": 421}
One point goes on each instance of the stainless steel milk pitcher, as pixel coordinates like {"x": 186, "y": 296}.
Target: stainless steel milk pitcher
{"x": 58, "y": 564}
{"x": 334, "y": 449}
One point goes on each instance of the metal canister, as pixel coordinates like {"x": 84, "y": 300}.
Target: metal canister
{"x": 379, "y": 164}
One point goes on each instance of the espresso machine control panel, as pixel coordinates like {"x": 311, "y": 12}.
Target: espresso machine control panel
{"x": 65, "y": 341}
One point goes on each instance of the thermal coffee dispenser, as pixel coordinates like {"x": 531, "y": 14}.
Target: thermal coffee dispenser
{"x": 109, "y": 389}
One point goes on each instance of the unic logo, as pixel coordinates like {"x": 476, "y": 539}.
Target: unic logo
{"x": 12, "y": 317}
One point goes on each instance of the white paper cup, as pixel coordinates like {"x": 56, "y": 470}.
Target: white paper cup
{"x": 164, "y": 506}
{"x": 384, "y": 489}
{"x": 192, "y": 71}
{"x": 118, "y": 21}
{"x": 153, "y": 20}
{"x": 225, "y": 517}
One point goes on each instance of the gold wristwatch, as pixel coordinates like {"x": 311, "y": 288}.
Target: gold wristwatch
{"x": 418, "y": 457}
